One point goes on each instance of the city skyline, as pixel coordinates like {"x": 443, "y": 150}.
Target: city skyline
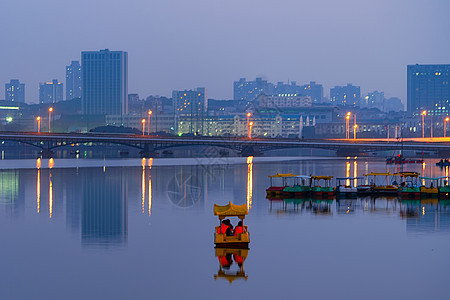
{"x": 360, "y": 47}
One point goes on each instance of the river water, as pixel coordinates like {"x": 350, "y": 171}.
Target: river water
{"x": 131, "y": 229}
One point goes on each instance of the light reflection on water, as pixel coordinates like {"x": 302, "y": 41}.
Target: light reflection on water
{"x": 163, "y": 212}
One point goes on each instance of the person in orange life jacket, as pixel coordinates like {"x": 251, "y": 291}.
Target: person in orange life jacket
{"x": 239, "y": 229}
{"x": 226, "y": 228}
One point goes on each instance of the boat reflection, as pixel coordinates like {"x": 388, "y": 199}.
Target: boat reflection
{"x": 300, "y": 205}
{"x": 227, "y": 258}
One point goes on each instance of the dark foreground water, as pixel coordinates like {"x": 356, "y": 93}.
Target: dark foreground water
{"x": 117, "y": 230}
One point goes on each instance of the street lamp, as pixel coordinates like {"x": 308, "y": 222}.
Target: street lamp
{"x": 248, "y": 123}
{"x": 250, "y": 130}
{"x": 347, "y": 125}
{"x": 354, "y": 131}
{"x": 143, "y": 127}
{"x": 148, "y": 124}
{"x": 50, "y": 109}
{"x": 423, "y": 123}
{"x": 38, "y": 119}
{"x": 445, "y": 125}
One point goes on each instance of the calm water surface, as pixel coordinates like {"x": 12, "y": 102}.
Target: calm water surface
{"x": 117, "y": 230}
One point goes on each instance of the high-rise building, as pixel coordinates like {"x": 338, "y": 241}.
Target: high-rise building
{"x": 348, "y": 95}
{"x": 193, "y": 104}
{"x": 73, "y": 80}
{"x": 15, "y": 91}
{"x": 428, "y": 89}
{"x": 104, "y": 82}
{"x": 50, "y": 91}
{"x": 250, "y": 90}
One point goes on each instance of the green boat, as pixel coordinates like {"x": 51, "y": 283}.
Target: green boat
{"x": 321, "y": 191}
{"x": 409, "y": 185}
{"x": 300, "y": 187}
{"x": 443, "y": 187}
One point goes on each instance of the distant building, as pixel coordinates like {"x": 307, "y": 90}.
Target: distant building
{"x": 374, "y": 99}
{"x": 15, "y": 91}
{"x": 192, "y": 104}
{"x": 250, "y": 90}
{"x": 348, "y": 95}
{"x": 104, "y": 82}
{"x": 284, "y": 100}
{"x": 73, "y": 80}
{"x": 393, "y": 104}
{"x": 428, "y": 89}
{"x": 50, "y": 92}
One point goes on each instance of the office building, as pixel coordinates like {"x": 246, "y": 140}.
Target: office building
{"x": 284, "y": 101}
{"x": 192, "y": 104}
{"x": 249, "y": 90}
{"x": 104, "y": 82}
{"x": 428, "y": 89}
{"x": 50, "y": 91}
{"x": 73, "y": 80}
{"x": 348, "y": 95}
{"x": 15, "y": 91}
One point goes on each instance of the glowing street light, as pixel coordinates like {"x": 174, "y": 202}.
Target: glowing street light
{"x": 250, "y": 130}
{"x": 445, "y": 125}
{"x": 143, "y": 127}
{"x": 50, "y": 109}
{"x": 354, "y": 131}
{"x": 248, "y": 124}
{"x": 423, "y": 123}
{"x": 148, "y": 123}
{"x": 347, "y": 125}
{"x": 38, "y": 119}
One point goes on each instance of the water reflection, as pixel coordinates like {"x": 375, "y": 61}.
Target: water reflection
{"x": 249, "y": 181}
{"x": 227, "y": 258}
{"x": 104, "y": 207}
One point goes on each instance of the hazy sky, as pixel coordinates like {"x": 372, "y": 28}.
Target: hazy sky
{"x": 183, "y": 44}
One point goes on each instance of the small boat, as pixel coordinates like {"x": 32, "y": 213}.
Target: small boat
{"x": 429, "y": 187}
{"x": 443, "y": 163}
{"x": 409, "y": 186}
{"x": 382, "y": 189}
{"x": 346, "y": 186}
{"x": 221, "y": 240}
{"x": 397, "y": 160}
{"x": 280, "y": 181}
{"x": 321, "y": 191}
{"x": 443, "y": 187}
{"x": 300, "y": 188}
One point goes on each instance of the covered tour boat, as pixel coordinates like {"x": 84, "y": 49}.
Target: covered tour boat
{"x": 443, "y": 187}
{"x": 409, "y": 185}
{"x": 346, "y": 186}
{"x": 321, "y": 191}
{"x": 240, "y": 240}
{"x": 277, "y": 184}
{"x": 297, "y": 186}
{"x": 429, "y": 187}
{"x": 384, "y": 188}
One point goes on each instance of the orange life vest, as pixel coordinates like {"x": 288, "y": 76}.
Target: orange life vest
{"x": 223, "y": 229}
{"x": 238, "y": 229}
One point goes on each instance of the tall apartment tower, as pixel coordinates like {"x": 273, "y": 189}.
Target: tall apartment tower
{"x": 73, "y": 80}
{"x": 104, "y": 82}
{"x": 15, "y": 91}
{"x": 50, "y": 92}
{"x": 428, "y": 89}
{"x": 192, "y": 104}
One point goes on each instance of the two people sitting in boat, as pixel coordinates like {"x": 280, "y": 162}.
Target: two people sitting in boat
{"x": 227, "y": 228}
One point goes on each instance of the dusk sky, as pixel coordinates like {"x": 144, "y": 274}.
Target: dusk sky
{"x": 179, "y": 44}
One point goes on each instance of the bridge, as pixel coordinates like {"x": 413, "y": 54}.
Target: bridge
{"x": 149, "y": 145}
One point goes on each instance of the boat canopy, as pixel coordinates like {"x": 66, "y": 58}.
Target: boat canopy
{"x": 321, "y": 177}
{"x": 407, "y": 174}
{"x": 283, "y": 175}
{"x": 429, "y": 178}
{"x": 303, "y": 176}
{"x": 230, "y": 210}
{"x": 351, "y": 178}
{"x": 379, "y": 174}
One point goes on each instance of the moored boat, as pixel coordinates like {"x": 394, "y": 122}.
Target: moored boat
{"x": 301, "y": 186}
{"x": 379, "y": 188}
{"x": 346, "y": 186}
{"x": 321, "y": 191}
{"x": 443, "y": 187}
{"x": 409, "y": 185}
{"x": 277, "y": 184}
{"x": 429, "y": 187}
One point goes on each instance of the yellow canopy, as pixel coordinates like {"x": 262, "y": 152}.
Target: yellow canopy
{"x": 230, "y": 210}
{"x": 408, "y": 174}
{"x": 379, "y": 174}
{"x": 321, "y": 177}
{"x": 282, "y": 175}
